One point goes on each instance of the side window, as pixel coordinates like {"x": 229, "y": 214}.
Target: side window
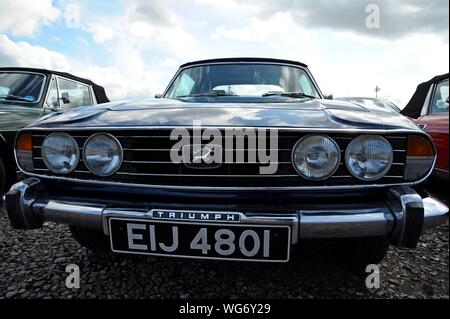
{"x": 305, "y": 85}
{"x": 73, "y": 94}
{"x": 184, "y": 86}
{"x": 52, "y": 97}
{"x": 439, "y": 103}
{"x": 3, "y": 90}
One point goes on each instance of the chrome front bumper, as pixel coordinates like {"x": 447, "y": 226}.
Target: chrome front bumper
{"x": 402, "y": 217}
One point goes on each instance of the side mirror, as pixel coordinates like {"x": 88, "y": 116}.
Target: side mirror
{"x": 158, "y": 96}
{"x": 328, "y": 96}
{"x": 65, "y": 97}
{"x": 447, "y": 100}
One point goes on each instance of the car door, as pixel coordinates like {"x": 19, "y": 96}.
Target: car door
{"x": 435, "y": 122}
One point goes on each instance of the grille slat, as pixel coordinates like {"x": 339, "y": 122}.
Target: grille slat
{"x": 208, "y": 175}
{"x": 147, "y": 161}
{"x": 170, "y": 163}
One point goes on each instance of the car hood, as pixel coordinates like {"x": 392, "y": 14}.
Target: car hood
{"x": 326, "y": 114}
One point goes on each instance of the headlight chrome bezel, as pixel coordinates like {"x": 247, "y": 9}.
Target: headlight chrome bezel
{"x": 45, "y": 159}
{"x": 309, "y": 178}
{"x": 120, "y": 148}
{"x": 379, "y": 175}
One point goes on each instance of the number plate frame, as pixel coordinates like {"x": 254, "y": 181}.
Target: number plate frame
{"x": 198, "y": 225}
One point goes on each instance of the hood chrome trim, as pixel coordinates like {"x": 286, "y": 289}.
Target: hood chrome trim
{"x": 279, "y": 128}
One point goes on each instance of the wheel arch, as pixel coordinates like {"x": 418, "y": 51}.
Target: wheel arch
{"x": 6, "y": 154}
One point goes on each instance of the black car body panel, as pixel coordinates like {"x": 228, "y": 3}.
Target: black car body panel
{"x": 147, "y": 183}
{"x": 294, "y": 114}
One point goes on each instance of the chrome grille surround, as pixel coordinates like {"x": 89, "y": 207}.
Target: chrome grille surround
{"x": 143, "y": 167}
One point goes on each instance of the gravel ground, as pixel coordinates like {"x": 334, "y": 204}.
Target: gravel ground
{"x": 32, "y": 265}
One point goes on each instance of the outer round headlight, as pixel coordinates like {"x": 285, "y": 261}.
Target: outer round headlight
{"x": 102, "y": 154}
{"x": 369, "y": 157}
{"x": 316, "y": 157}
{"x": 60, "y": 153}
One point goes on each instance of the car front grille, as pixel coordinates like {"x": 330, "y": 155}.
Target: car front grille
{"x": 147, "y": 161}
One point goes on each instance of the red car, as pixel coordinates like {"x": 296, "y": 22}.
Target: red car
{"x": 428, "y": 107}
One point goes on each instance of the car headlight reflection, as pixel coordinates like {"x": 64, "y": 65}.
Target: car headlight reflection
{"x": 369, "y": 157}
{"x": 316, "y": 157}
{"x": 60, "y": 153}
{"x": 102, "y": 154}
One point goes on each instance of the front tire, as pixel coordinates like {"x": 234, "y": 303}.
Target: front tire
{"x": 3, "y": 179}
{"x": 363, "y": 251}
{"x": 93, "y": 240}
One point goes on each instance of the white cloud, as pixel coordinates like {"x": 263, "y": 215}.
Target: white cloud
{"x": 126, "y": 71}
{"x": 25, "y": 17}
{"x": 344, "y": 61}
{"x": 120, "y": 84}
{"x": 141, "y": 26}
{"x": 98, "y": 25}
{"x": 101, "y": 33}
{"x": 143, "y": 47}
{"x": 258, "y": 30}
{"x": 108, "y": 77}
{"x": 235, "y": 6}
{"x": 391, "y": 65}
{"x": 170, "y": 62}
{"x": 71, "y": 15}
{"x": 120, "y": 81}
{"x": 397, "y": 18}
{"x": 83, "y": 41}
{"x": 155, "y": 12}
{"x": 25, "y": 54}
{"x": 143, "y": 44}
{"x": 141, "y": 29}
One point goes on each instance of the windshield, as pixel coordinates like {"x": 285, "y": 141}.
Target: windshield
{"x": 249, "y": 80}
{"x": 20, "y": 87}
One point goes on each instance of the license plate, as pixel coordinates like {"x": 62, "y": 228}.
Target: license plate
{"x": 269, "y": 243}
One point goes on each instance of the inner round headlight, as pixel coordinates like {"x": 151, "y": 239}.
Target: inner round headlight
{"x": 316, "y": 157}
{"x": 60, "y": 153}
{"x": 102, "y": 154}
{"x": 369, "y": 157}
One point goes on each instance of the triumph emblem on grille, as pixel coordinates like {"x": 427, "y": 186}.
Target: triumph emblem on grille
{"x": 202, "y": 156}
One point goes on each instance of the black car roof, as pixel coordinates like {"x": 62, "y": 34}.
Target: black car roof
{"x": 414, "y": 106}
{"x": 98, "y": 90}
{"x": 46, "y": 71}
{"x": 226, "y": 60}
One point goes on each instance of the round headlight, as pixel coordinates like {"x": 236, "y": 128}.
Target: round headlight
{"x": 102, "y": 154}
{"x": 369, "y": 157}
{"x": 60, "y": 153}
{"x": 316, "y": 157}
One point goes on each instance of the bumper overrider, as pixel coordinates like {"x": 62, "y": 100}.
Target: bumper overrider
{"x": 402, "y": 217}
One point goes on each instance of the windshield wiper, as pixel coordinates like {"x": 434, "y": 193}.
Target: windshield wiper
{"x": 15, "y": 98}
{"x": 289, "y": 94}
{"x": 212, "y": 93}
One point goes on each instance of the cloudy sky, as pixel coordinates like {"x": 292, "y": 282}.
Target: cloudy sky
{"x": 133, "y": 47}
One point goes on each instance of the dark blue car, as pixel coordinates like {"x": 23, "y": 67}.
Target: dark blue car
{"x": 239, "y": 159}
